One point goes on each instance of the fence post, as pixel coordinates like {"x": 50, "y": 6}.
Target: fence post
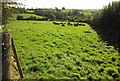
{"x": 16, "y": 58}
{"x": 0, "y": 55}
{"x": 6, "y": 56}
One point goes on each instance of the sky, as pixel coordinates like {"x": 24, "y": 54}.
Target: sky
{"x": 68, "y": 4}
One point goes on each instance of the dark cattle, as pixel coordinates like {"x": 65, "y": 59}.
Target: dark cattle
{"x": 69, "y": 24}
{"x": 56, "y": 23}
{"x": 75, "y": 24}
{"x": 80, "y": 24}
{"x": 63, "y": 25}
{"x": 83, "y": 24}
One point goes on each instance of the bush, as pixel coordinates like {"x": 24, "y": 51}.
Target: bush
{"x": 106, "y": 23}
{"x": 32, "y": 18}
{"x": 19, "y": 17}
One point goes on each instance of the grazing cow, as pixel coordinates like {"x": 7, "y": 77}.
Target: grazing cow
{"x": 56, "y": 23}
{"x": 83, "y": 24}
{"x": 80, "y": 24}
{"x": 75, "y": 24}
{"x": 69, "y": 24}
{"x": 63, "y": 25}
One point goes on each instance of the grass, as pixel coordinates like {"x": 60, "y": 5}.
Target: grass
{"x": 48, "y": 51}
{"x": 29, "y": 15}
{"x": 87, "y": 13}
{"x": 32, "y": 11}
{"x": 67, "y": 10}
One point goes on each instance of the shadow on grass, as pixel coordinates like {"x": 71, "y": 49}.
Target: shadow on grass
{"x": 112, "y": 38}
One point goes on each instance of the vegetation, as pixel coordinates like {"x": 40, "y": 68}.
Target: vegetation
{"x": 8, "y": 11}
{"x": 64, "y": 15}
{"x": 56, "y": 14}
{"x": 106, "y": 22}
{"x": 67, "y": 48}
{"x": 27, "y": 16}
{"x": 49, "y": 51}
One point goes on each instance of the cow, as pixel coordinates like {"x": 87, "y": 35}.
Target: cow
{"x": 69, "y": 24}
{"x": 63, "y": 25}
{"x": 76, "y": 24}
{"x": 83, "y": 24}
{"x": 56, "y": 23}
{"x": 80, "y": 24}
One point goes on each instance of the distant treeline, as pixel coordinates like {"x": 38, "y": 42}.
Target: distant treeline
{"x": 73, "y": 15}
{"x": 49, "y": 14}
{"x": 107, "y": 23}
{"x": 56, "y": 14}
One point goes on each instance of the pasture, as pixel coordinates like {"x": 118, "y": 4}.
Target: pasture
{"x": 49, "y": 51}
{"x": 29, "y": 15}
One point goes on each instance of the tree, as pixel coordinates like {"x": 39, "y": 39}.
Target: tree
{"x": 108, "y": 22}
{"x": 7, "y": 12}
{"x": 56, "y": 9}
{"x": 51, "y": 16}
{"x": 63, "y": 8}
{"x": 59, "y": 15}
{"x": 76, "y": 12}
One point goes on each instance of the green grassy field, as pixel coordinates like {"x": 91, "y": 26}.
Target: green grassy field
{"x": 81, "y": 11}
{"x": 30, "y": 11}
{"x": 29, "y": 15}
{"x": 48, "y": 51}
{"x": 87, "y": 13}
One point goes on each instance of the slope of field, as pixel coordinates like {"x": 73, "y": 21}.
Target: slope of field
{"x": 31, "y": 11}
{"x": 48, "y": 51}
{"x": 29, "y": 15}
{"x": 85, "y": 12}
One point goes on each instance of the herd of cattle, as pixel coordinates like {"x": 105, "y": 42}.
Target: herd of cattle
{"x": 68, "y": 23}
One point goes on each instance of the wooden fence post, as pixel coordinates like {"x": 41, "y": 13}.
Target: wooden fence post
{"x": 0, "y": 55}
{"x": 16, "y": 58}
{"x": 6, "y": 56}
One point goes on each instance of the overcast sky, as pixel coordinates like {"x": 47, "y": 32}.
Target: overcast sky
{"x": 68, "y": 4}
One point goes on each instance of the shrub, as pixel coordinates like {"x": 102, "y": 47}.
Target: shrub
{"x": 106, "y": 22}
{"x": 19, "y": 17}
{"x": 31, "y": 18}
